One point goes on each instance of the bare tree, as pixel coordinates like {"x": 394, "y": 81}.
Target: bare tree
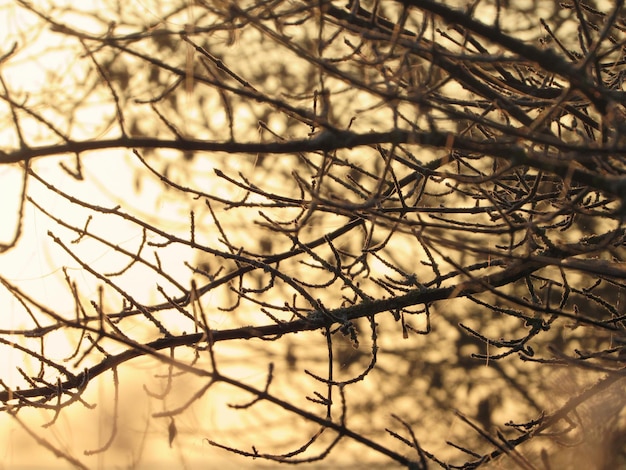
{"x": 388, "y": 232}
